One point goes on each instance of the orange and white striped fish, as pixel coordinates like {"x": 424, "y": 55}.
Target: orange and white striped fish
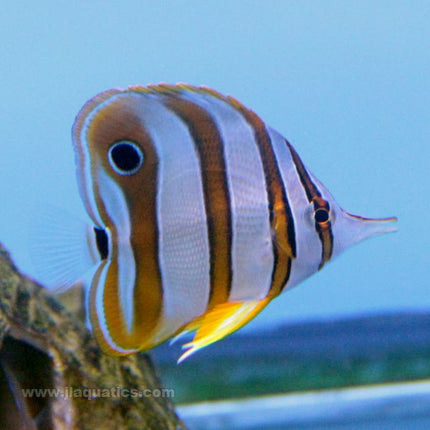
{"x": 202, "y": 215}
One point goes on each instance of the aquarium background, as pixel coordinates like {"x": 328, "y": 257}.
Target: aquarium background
{"x": 346, "y": 82}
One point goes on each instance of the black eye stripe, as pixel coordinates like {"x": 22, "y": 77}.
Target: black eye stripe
{"x": 125, "y": 157}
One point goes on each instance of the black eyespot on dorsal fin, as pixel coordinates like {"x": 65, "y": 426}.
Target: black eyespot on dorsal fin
{"x": 125, "y": 157}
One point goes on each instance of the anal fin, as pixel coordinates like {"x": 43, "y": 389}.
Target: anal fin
{"x": 219, "y": 322}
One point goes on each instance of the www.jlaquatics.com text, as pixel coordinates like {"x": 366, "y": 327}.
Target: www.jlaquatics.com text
{"x": 96, "y": 393}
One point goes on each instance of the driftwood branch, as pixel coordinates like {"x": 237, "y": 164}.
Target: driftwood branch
{"x": 45, "y": 346}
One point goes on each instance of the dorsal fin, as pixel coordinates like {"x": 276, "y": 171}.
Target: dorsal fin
{"x": 164, "y": 88}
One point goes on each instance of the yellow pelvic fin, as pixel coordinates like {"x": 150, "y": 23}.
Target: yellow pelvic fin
{"x": 219, "y": 322}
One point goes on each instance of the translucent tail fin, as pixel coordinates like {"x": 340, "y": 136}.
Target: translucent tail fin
{"x": 62, "y": 248}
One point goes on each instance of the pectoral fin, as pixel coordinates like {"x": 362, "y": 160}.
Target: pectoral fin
{"x": 219, "y": 322}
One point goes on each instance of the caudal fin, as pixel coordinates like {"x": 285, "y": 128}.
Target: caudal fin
{"x": 62, "y": 248}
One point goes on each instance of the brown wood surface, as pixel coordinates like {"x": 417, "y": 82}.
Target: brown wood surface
{"x": 44, "y": 343}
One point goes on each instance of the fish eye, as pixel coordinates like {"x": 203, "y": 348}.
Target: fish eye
{"x": 321, "y": 215}
{"x": 125, "y": 157}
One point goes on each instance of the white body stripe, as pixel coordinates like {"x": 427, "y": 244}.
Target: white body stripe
{"x": 117, "y": 210}
{"x": 183, "y": 245}
{"x": 308, "y": 244}
{"x": 252, "y": 253}
{"x": 100, "y": 311}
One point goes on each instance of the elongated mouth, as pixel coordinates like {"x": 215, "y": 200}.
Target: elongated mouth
{"x": 375, "y": 226}
{"x": 390, "y": 219}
